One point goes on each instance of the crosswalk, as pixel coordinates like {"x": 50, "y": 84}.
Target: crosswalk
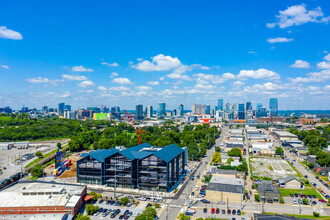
{"x": 175, "y": 206}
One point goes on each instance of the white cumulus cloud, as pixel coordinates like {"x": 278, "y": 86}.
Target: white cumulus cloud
{"x": 9, "y": 34}
{"x": 81, "y": 69}
{"x": 113, "y": 75}
{"x": 321, "y": 76}
{"x": 110, "y": 64}
{"x": 258, "y": 74}
{"x": 122, "y": 81}
{"x": 102, "y": 88}
{"x": 300, "y": 64}
{"x": 327, "y": 57}
{"x": 279, "y": 40}
{"x": 119, "y": 88}
{"x": 153, "y": 83}
{"x": 323, "y": 65}
{"x": 143, "y": 88}
{"x": 73, "y": 77}
{"x": 38, "y": 80}
{"x": 86, "y": 84}
{"x": 158, "y": 63}
{"x": 5, "y": 67}
{"x": 298, "y": 15}
{"x": 202, "y": 78}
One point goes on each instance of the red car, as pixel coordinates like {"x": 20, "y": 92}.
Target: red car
{"x": 213, "y": 210}
{"x": 322, "y": 200}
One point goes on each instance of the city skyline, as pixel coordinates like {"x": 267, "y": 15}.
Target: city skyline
{"x": 201, "y": 53}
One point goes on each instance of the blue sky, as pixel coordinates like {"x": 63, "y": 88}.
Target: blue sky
{"x": 88, "y": 53}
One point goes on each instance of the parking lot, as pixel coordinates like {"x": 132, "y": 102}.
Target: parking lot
{"x": 135, "y": 210}
{"x": 274, "y": 168}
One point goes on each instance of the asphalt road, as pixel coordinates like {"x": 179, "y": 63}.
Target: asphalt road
{"x": 175, "y": 205}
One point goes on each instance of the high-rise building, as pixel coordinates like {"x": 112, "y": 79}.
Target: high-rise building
{"x": 150, "y": 111}
{"x": 174, "y": 112}
{"x": 24, "y": 109}
{"x": 248, "y": 106}
{"x": 193, "y": 108}
{"x": 139, "y": 112}
{"x": 241, "y": 111}
{"x": 207, "y": 109}
{"x": 161, "y": 110}
{"x": 61, "y": 107}
{"x": 180, "y": 112}
{"x": 44, "y": 109}
{"x": 259, "y": 106}
{"x": 273, "y": 107}
{"x": 68, "y": 107}
{"x": 220, "y": 104}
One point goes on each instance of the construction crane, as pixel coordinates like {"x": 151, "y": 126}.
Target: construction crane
{"x": 138, "y": 131}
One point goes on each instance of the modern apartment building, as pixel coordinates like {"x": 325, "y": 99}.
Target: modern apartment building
{"x": 143, "y": 166}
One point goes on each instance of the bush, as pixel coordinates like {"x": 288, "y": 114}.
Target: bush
{"x": 256, "y": 197}
{"x": 91, "y": 209}
{"x": 124, "y": 201}
{"x": 316, "y": 214}
{"x": 82, "y": 217}
{"x": 281, "y": 200}
{"x": 39, "y": 154}
{"x": 157, "y": 205}
{"x": 37, "y": 171}
{"x": 95, "y": 195}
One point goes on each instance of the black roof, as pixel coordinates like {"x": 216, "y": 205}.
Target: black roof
{"x": 225, "y": 187}
{"x": 265, "y": 188}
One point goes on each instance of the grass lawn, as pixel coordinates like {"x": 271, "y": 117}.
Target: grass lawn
{"x": 298, "y": 173}
{"x": 43, "y": 157}
{"x": 308, "y": 191}
{"x": 301, "y": 216}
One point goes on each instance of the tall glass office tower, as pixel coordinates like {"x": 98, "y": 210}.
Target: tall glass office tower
{"x": 161, "y": 110}
{"x": 220, "y": 104}
{"x": 139, "y": 112}
{"x": 180, "y": 110}
{"x": 273, "y": 106}
{"x": 241, "y": 111}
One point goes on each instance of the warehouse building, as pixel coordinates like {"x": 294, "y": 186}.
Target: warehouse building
{"x": 143, "y": 167}
{"x": 30, "y": 198}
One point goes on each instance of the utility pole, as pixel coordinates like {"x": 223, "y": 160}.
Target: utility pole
{"x": 21, "y": 169}
{"x": 242, "y": 199}
{"x": 166, "y": 211}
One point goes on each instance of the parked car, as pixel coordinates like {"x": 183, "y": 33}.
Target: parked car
{"x": 314, "y": 203}
{"x": 317, "y": 177}
{"x": 234, "y": 212}
{"x": 314, "y": 196}
{"x": 223, "y": 211}
{"x": 229, "y": 211}
{"x": 291, "y": 195}
{"x": 322, "y": 200}
{"x": 238, "y": 212}
{"x": 205, "y": 210}
{"x": 205, "y": 201}
{"x": 142, "y": 199}
{"x": 101, "y": 201}
{"x": 296, "y": 195}
{"x": 212, "y": 210}
{"x": 188, "y": 213}
{"x": 129, "y": 204}
{"x": 148, "y": 205}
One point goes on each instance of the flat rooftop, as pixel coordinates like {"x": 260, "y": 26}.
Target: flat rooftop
{"x": 30, "y": 194}
{"x": 226, "y": 180}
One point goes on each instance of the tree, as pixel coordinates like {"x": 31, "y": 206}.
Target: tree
{"x": 82, "y": 217}
{"x": 256, "y": 197}
{"x": 58, "y": 145}
{"x": 305, "y": 201}
{"x": 217, "y": 149}
{"x": 39, "y": 154}
{"x": 91, "y": 209}
{"x": 124, "y": 201}
{"x": 95, "y": 195}
{"x": 182, "y": 216}
{"x": 310, "y": 165}
{"x": 230, "y": 159}
{"x": 235, "y": 152}
{"x": 216, "y": 158}
{"x": 37, "y": 170}
{"x": 279, "y": 151}
{"x": 148, "y": 213}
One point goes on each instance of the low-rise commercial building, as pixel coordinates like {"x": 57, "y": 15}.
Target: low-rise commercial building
{"x": 291, "y": 182}
{"x": 284, "y": 135}
{"x": 28, "y": 197}
{"x": 268, "y": 192}
{"x": 225, "y": 189}
{"x": 143, "y": 167}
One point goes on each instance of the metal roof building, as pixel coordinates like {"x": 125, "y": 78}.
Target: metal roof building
{"x": 142, "y": 166}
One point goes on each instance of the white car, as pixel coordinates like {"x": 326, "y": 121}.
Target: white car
{"x": 196, "y": 187}
{"x": 191, "y": 211}
{"x": 295, "y": 202}
{"x": 142, "y": 199}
